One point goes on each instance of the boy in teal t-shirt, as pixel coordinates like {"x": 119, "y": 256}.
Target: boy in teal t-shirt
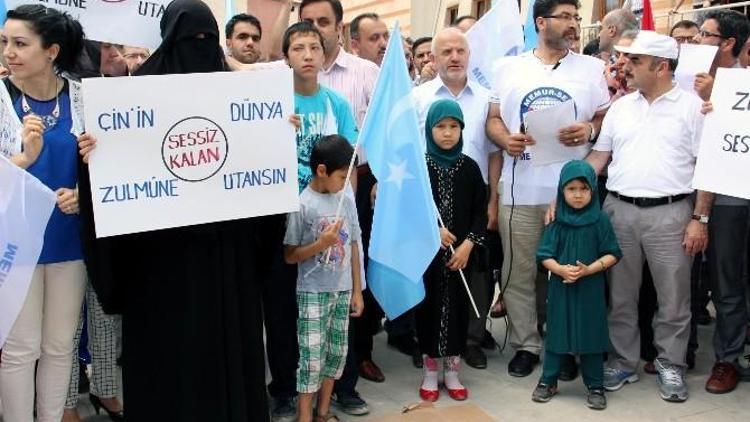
{"x": 321, "y": 111}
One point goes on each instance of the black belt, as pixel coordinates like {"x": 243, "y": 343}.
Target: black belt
{"x": 650, "y": 202}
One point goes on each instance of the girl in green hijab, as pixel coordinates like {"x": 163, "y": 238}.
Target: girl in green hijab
{"x": 460, "y": 197}
{"x": 576, "y": 248}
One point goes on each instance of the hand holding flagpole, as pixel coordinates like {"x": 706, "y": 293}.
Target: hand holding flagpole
{"x": 342, "y": 193}
{"x": 460, "y": 271}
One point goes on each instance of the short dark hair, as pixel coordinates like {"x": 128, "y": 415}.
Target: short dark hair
{"x": 460, "y": 19}
{"x": 242, "y": 17}
{"x": 732, "y": 24}
{"x": 687, "y": 24}
{"x": 544, "y": 8}
{"x": 333, "y": 151}
{"x": 354, "y": 26}
{"x": 303, "y": 27}
{"x": 591, "y": 48}
{"x": 418, "y": 42}
{"x": 338, "y": 10}
{"x": 54, "y": 27}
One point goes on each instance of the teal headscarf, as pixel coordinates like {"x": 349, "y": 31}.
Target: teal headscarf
{"x": 439, "y": 110}
{"x": 565, "y": 213}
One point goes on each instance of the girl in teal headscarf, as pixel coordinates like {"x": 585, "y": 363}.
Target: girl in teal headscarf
{"x": 576, "y": 248}
{"x": 460, "y": 196}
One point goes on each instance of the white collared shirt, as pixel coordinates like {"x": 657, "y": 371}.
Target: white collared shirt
{"x": 654, "y": 146}
{"x": 474, "y": 102}
{"x": 354, "y": 78}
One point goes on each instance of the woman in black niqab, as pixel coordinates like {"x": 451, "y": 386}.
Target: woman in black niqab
{"x": 189, "y": 296}
{"x": 190, "y": 41}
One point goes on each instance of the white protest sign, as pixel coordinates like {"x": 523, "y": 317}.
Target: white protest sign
{"x": 25, "y": 208}
{"x": 10, "y": 126}
{"x": 543, "y": 125}
{"x": 724, "y": 157}
{"x": 694, "y": 59}
{"x": 128, "y": 22}
{"x": 179, "y": 150}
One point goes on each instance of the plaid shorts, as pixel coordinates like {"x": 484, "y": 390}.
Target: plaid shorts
{"x": 322, "y": 333}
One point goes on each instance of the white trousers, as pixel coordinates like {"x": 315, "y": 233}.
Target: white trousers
{"x": 43, "y": 332}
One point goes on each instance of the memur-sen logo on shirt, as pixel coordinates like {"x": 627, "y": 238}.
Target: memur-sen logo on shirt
{"x": 544, "y": 97}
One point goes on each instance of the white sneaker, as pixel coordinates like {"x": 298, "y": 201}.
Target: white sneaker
{"x": 671, "y": 382}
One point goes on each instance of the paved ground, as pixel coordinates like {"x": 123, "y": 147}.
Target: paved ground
{"x": 509, "y": 399}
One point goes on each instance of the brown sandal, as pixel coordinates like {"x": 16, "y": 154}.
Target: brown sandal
{"x": 329, "y": 417}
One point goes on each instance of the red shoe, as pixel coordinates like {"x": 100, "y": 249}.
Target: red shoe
{"x": 458, "y": 394}
{"x": 429, "y": 395}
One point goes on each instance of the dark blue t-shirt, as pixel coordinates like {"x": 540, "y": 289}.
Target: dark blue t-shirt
{"x": 56, "y": 167}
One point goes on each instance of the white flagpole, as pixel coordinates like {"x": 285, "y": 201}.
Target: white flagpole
{"x": 343, "y": 193}
{"x": 461, "y": 272}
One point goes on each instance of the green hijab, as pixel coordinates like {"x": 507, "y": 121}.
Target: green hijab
{"x": 440, "y": 110}
{"x": 565, "y": 213}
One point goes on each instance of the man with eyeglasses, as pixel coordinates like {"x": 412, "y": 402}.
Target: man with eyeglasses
{"x": 544, "y": 77}
{"x": 134, "y": 57}
{"x": 727, "y": 251}
{"x": 684, "y": 32}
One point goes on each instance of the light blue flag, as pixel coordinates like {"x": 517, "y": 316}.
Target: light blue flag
{"x": 405, "y": 235}
{"x": 3, "y": 12}
{"x": 529, "y": 28}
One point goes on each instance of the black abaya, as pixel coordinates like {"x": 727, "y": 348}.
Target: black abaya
{"x": 443, "y": 316}
{"x": 189, "y": 297}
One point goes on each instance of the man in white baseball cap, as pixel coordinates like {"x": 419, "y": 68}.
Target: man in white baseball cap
{"x": 652, "y": 136}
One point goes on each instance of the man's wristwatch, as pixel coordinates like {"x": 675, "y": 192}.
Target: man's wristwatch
{"x": 592, "y": 137}
{"x": 703, "y": 219}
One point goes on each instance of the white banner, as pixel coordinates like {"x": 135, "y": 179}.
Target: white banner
{"x": 497, "y": 34}
{"x": 724, "y": 159}
{"x": 10, "y": 125}
{"x": 25, "y": 207}
{"x": 178, "y": 150}
{"x": 128, "y": 22}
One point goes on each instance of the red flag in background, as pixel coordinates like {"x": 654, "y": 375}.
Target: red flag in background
{"x": 647, "y": 21}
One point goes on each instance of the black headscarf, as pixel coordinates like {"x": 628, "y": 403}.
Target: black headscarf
{"x": 180, "y": 51}
{"x": 90, "y": 62}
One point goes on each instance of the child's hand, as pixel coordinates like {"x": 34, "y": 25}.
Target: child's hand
{"x": 446, "y": 238}
{"x": 357, "y": 304}
{"x": 569, "y": 273}
{"x": 461, "y": 257}
{"x": 295, "y": 120}
{"x": 330, "y": 235}
{"x": 583, "y": 269}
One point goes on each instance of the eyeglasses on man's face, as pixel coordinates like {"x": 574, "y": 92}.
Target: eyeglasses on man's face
{"x": 565, "y": 17}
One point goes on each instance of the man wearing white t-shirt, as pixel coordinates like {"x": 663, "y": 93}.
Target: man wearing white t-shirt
{"x": 450, "y": 56}
{"x": 652, "y": 136}
{"x": 546, "y": 76}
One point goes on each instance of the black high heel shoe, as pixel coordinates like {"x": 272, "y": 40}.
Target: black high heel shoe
{"x": 97, "y": 403}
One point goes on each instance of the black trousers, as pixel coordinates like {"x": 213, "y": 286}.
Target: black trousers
{"x": 727, "y": 262}
{"x": 280, "y": 320}
{"x": 362, "y": 329}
